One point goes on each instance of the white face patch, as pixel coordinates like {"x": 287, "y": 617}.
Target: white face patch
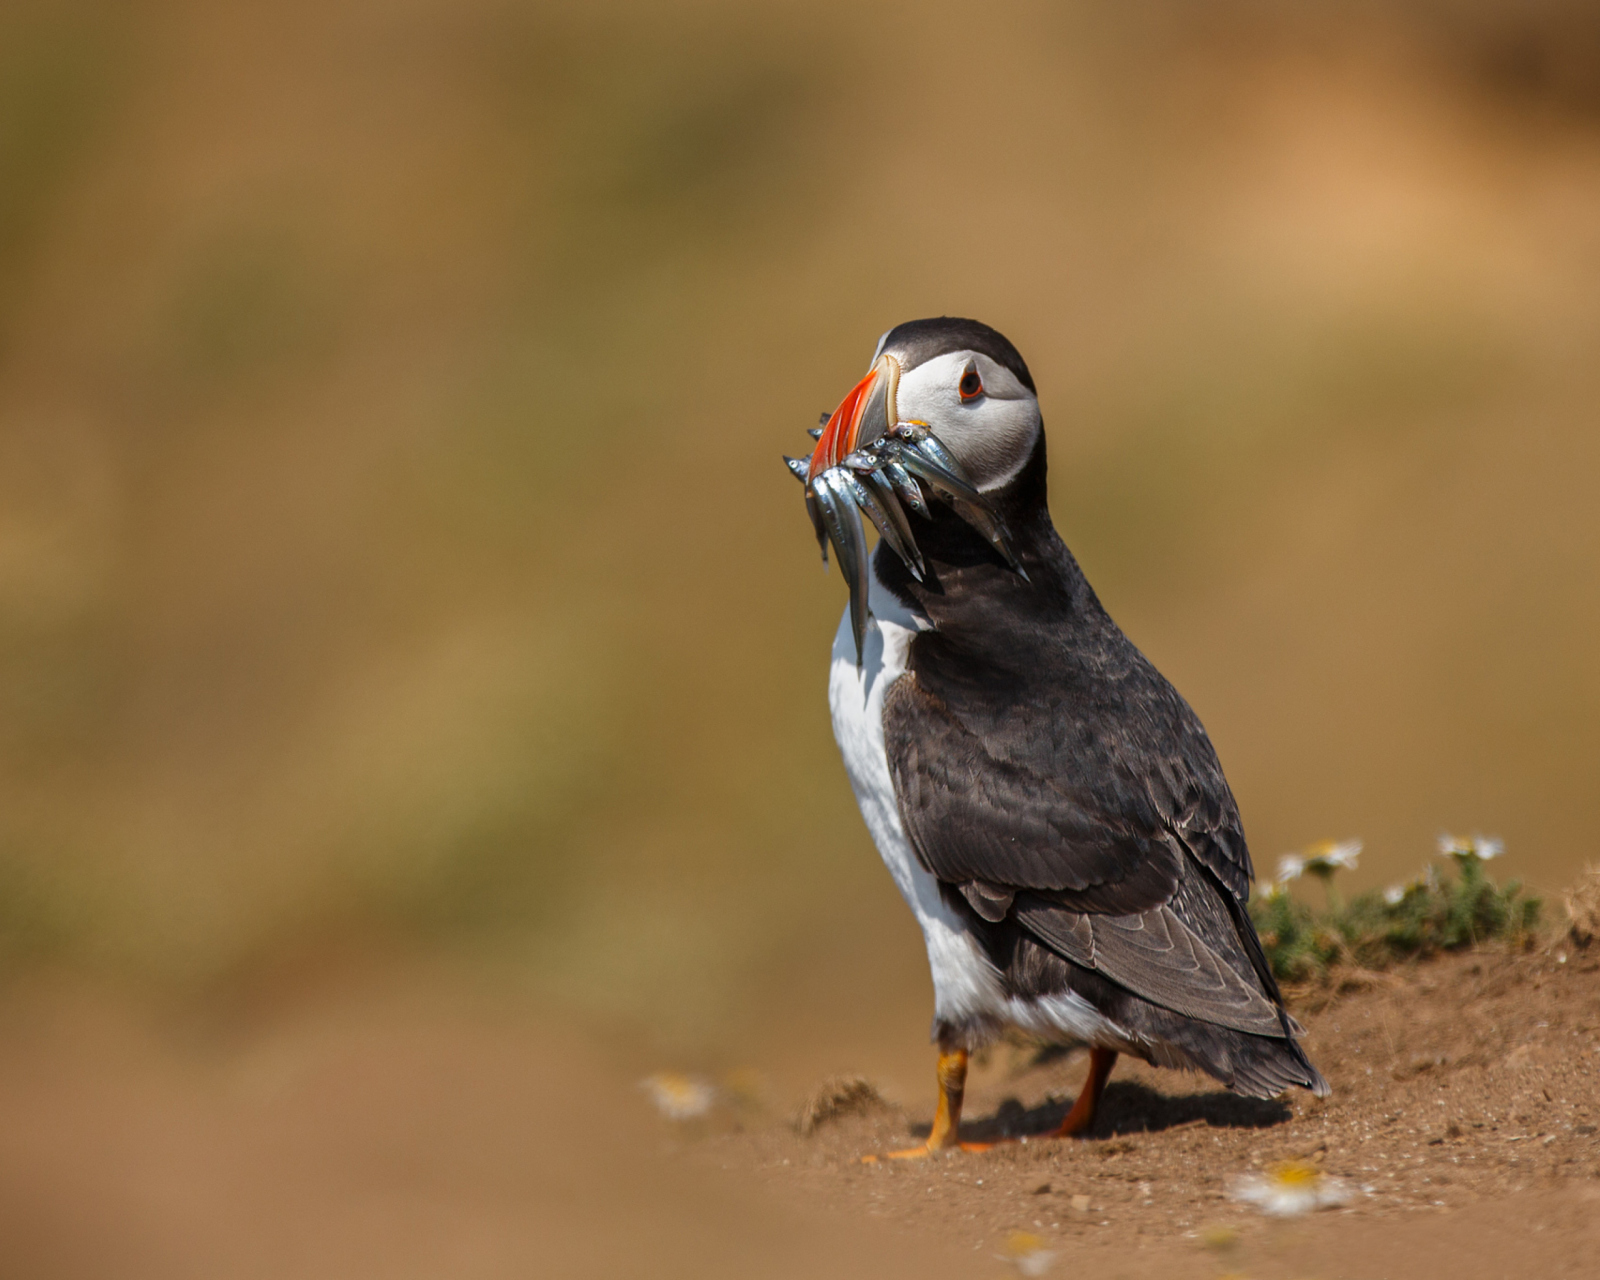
{"x": 992, "y": 435}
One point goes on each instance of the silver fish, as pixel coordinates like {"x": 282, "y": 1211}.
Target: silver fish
{"x": 843, "y": 520}
{"x": 885, "y": 474}
{"x": 927, "y": 443}
{"x": 868, "y": 459}
{"x": 878, "y": 513}
{"x": 947, "y": 484}
{"x": 815, "y": 512}
{"x": 900, "y": 480}
{"x": 924, "y": 457}
{"x": 892, "y": 508}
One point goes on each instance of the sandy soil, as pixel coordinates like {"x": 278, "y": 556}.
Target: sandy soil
{"x": 403, "y": 1124}
{"x": 1463, "y": 1118}
{"x": 407, "y": 1122}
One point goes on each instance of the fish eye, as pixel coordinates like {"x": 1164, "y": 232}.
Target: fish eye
{"x": 970, "y": 386}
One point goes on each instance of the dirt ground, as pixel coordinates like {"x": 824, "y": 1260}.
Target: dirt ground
{"x": 1463, "y": 1119}
{"x": 408, "y": 1121}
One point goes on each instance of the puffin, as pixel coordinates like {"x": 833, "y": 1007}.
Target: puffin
{"x": 1048, "y": 805}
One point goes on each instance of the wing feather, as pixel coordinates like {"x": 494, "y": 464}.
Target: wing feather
{"x": 975, "y": 816}
{"x": 1156, "y": 955}
{"x": 1109, "y": 833}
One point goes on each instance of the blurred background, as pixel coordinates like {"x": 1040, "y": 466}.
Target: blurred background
{"x": 395, "y": 555}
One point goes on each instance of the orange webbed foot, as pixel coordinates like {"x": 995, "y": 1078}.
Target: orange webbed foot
{"x": 926, "y": 1151}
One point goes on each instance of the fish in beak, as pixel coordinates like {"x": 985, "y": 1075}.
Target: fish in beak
{"x": 869, "y": 462}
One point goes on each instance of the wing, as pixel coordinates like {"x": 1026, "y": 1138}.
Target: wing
{"x": 1176, "y": 955}
{"x": 1108, "y": 831}
{"x": 1043, "y": 795}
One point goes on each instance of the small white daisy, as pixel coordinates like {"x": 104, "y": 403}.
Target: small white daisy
{"x": 1327, "y": 856}
{"x": 1395, "y": 894}
{"x": 1026, "y": 1252}
{"x": 679, "y": 1097}
{"x": 1321, "y": 859}
{"x": 1290, "y": 1189}
{"x": 1476, "y": 846}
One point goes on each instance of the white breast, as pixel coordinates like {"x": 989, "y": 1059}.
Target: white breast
{"x": 966, "y": 986}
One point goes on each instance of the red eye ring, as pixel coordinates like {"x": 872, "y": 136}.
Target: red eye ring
{"x": 971, "y": 386}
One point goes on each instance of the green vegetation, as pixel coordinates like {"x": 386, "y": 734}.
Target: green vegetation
{"x": 1431, "y": 914}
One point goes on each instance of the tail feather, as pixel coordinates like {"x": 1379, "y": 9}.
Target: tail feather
{"x": 1256, "y": 1066}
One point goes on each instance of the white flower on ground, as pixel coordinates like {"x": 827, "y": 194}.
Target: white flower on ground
{"x": 1474, "y": 846}
{"x": 1320, "y": 859}
{"x": 679, "y": 1097}
{"x": 1289, "y": 1189}
{"x": 1332, "y": 855}
{"x": 1026, "y": 1252}
{"x": 1395, "y": 894}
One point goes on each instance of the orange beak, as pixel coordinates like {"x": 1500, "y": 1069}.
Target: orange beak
{"x": 862, "y": 417}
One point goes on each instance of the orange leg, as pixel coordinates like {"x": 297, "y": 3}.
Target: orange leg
{"x": 1082, "y": 1114}
{"x": 952, "y": 1072}
{"x": 952, "y": 1086}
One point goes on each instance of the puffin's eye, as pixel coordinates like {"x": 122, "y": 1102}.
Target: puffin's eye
{"x": 970, "y": 386}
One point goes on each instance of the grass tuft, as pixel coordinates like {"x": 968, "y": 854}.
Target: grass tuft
{"x": 1431, "y": 914}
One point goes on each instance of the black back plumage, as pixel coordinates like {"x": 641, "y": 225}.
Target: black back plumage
{"x": 1068, "y": 799}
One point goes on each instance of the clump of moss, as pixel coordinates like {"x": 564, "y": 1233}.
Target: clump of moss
{"x": 1299, "y": 944}
{"x": 1433, "y": 913}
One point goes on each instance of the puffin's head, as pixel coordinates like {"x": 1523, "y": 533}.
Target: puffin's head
{"x": 947, "y": 410}
{"x": 961, "y": 380}
{"x": 971, "y": 388}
